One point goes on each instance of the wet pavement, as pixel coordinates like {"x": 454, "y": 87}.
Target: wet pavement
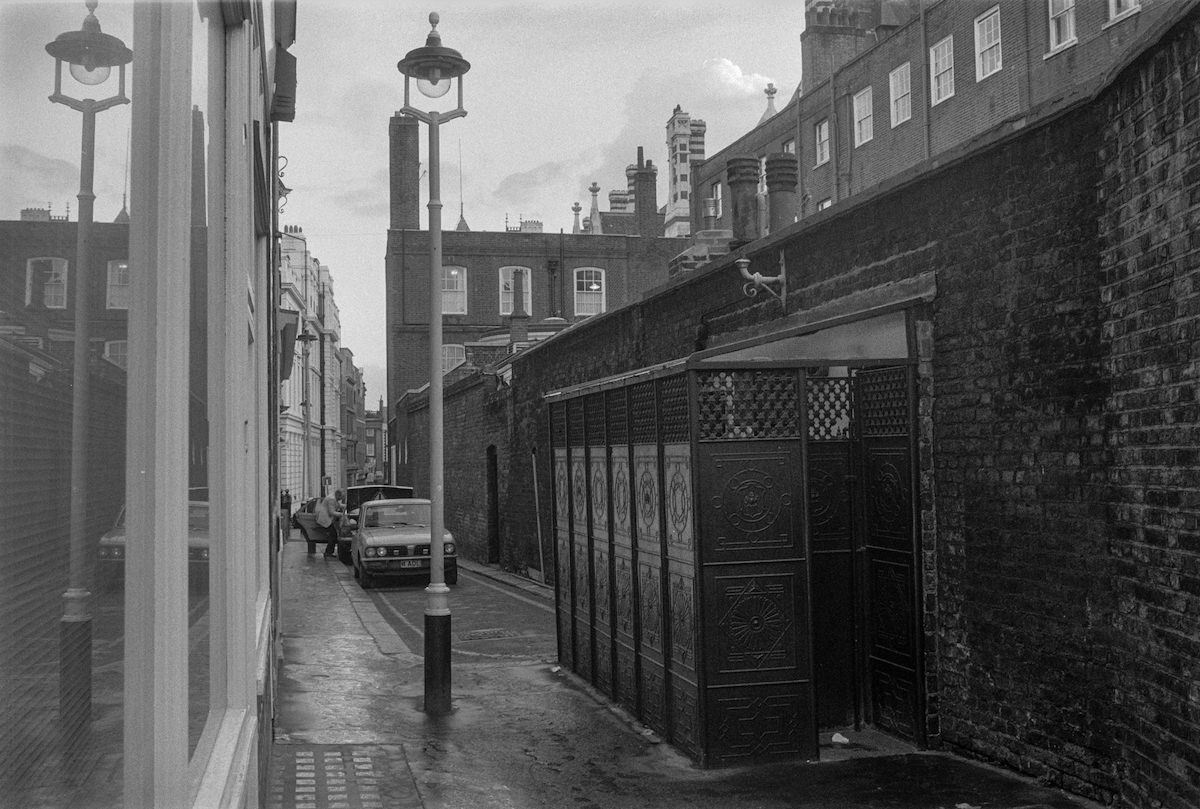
{"x": 351, "y": 732}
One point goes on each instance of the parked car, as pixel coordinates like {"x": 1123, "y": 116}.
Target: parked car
{"x": 392, "y": 538}
{"x": 305, "y": 517}
{"x": 112, "y": 547}
{"x": 355, "y": 497}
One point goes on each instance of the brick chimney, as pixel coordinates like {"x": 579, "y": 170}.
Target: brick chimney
{"x": 404, "y": 172}
{"x": 783, "y": 174}
{"x": 645, "y": 197}
{"x": 835, "y": 31}
{"x": 518, "y": 324}
{"x": 742, "y": 178}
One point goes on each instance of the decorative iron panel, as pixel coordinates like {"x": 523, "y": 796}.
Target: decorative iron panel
{"x": 829, "y": 516}
{"x": 627, "y": 677}
{"x": 650, "y": 606}
{"x": 604, "y": 678}
{"x": 891, "y": 623}
{"x": 594, "y": 412}
{"x": 883, "y": 401}
{"x": 644, "y": 422}
{"x": 889, "y": 496}
{"x": 602, "y": 587}
{"x": 894, "y": 698}
{"x": 759, "y": 624}
{"x": 829, "y": 408}
{"x": 622, "y": 547}
{"x": 748, "y": 496}
{"x": 685, "y": 715}
{"x": 677, "y": 480}
{"x": 654, "y": 695}
{"x": 625, "y": 597}
{"x": 737, "y": 405}
{"x": 598, "y": 482}
{"x": 562, "y": 502}
{"x": 759, "y": 724}
{"x": 646, "y": 507}
{"x": 579, "y": 494}
{"x": 616, "y": 405}
{"x": 582, "y": 588}
{"x": 674, "y": 417}
{"x": 683, "y": 621}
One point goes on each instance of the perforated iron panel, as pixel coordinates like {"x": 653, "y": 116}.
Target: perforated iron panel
{"x": 883, "y": 402}
{"x": 575, "y": 422}
{"x": 618, "y": 425}
{"x": 594, "y": 409}
{"x": 641, "y": 402}
{"x": 829, "y": 409}
{"x": 737, "y": 405}
{"x": 674, "y": 413}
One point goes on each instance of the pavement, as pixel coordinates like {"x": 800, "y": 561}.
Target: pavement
{"x": 351, "y": 732}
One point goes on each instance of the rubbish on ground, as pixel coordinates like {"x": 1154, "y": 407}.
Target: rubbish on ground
{"x": 840, "y": 739}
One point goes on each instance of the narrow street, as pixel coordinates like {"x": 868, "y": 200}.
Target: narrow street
{"x": 524, "y": 733}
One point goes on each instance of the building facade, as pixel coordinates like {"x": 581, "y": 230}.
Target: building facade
{"x": 154, "y": 685}
{"x": 891, "y": 84}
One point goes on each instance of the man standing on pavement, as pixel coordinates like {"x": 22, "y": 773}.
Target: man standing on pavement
{"x": 329, "y": 517}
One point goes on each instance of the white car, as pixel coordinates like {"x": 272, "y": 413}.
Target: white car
{"x": 391, "y": 538}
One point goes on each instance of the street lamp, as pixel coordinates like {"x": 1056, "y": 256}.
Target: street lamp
{"x": 434, "y": 68}
{"x": 91, "y": 55}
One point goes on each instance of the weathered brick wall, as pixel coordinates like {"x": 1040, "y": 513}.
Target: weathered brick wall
{"x": 1150, "y": 267}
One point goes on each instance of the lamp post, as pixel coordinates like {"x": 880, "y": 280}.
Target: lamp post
{"x": 91, "y": 55}
{"x": 434, "y": 68}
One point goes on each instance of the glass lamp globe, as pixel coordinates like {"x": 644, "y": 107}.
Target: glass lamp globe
{"x": 434, "y": 86}
{"x": 90, "y": 76}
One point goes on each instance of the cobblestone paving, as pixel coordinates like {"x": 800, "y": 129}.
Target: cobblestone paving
{"x": 341, "y": 776}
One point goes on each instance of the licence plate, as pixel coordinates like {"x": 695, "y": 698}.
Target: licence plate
{"x": 410, "y": 563}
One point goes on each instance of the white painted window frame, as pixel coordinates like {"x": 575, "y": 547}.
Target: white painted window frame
{"x": 588, "y": 295}
{"x": 1064, "y": 13}
{"x": 60, "y": 265}
{"x": 453, "y": 355}
{"x": 1121, "y": 9}
{"x": 985, "y": 46}
{"x": 864, "y": 116}
{"x": 454, "y": 295}
{"x": 900, "y": 91}
{"x": 939, "y": 66}
{"x": 117, "y": 291}
{"x": 505, "y": 278}
{"x": 821, "y": 142}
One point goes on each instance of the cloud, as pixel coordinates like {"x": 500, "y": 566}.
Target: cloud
{"x": 526, "y": 185}
{"x": 728, "y": 79}
{"x": 33, "y": 178}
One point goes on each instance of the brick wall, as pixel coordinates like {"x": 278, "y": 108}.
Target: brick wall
{"x": 1150, "y": 268}
{"x": 1058, "y": 465}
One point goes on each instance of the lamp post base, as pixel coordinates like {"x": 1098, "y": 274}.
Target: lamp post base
{"x": 437, "y": 664}
{"x": 75, "y": 687}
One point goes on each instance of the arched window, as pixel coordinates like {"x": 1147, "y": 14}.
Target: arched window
{"x": 589, "y": 291}
{"x": 452, "y": 356}
{"x": 454, "y": 290}
{"x": 46, "y": 282}
{"x": 118, "y": 285}
{"x": 506, "y": 289}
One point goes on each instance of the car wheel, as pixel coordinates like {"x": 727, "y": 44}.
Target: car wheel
{"x": 365, "y": 580}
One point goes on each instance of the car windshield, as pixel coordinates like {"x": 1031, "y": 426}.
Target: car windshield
{"x": 406, "y": 514}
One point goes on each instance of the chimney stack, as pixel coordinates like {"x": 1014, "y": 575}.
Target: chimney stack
{"x": 783, "y": 174}
{"x": 645, "y": 197}
{"x": 404, "y": 172}
{"x": 742, "y": 177}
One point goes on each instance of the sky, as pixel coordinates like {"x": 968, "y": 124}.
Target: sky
{"x": 560, "y": 94}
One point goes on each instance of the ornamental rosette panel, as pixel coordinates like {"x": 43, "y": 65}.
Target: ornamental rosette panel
{"x": 678, "y": 484}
